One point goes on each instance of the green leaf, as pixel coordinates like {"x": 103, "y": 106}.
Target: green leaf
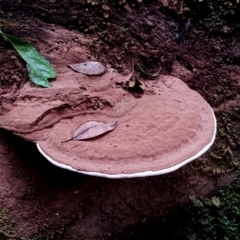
{"x": 39, "y": 69}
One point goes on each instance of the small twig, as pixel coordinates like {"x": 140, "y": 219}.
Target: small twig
{"x": 165, "y": 84}
{"x": 72, "y": 147}
{"x": 172, "y": 83}
{"x": 181, "y": 5}
{"x": 168, "y": 86}
{"x": 127, "y": 78}
{"x": 66, "y": 140}
{"x": 132, "y": 68}
{"x": 156, "y": 35}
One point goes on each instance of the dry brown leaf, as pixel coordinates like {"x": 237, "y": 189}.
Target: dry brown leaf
{"x": 91, "y": 129}
{"x": 141, "y": 84}
{"x": 88, "y": 68}
{"x": 137, "y": 84}
{"x": 131, "y": 83}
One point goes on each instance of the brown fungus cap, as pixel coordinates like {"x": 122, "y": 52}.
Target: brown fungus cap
{"x": 169, "y": 126}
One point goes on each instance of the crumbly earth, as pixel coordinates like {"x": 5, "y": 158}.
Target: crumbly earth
{"x": 45, "y": 202}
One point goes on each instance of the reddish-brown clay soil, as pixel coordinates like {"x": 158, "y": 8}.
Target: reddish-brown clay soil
{"x": 45, "y": 202}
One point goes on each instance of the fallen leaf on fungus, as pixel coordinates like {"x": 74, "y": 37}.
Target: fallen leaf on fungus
{"x": 91, "y": 129}
{"x": 88, "y": 68}
{"x": 39, "y": 69}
